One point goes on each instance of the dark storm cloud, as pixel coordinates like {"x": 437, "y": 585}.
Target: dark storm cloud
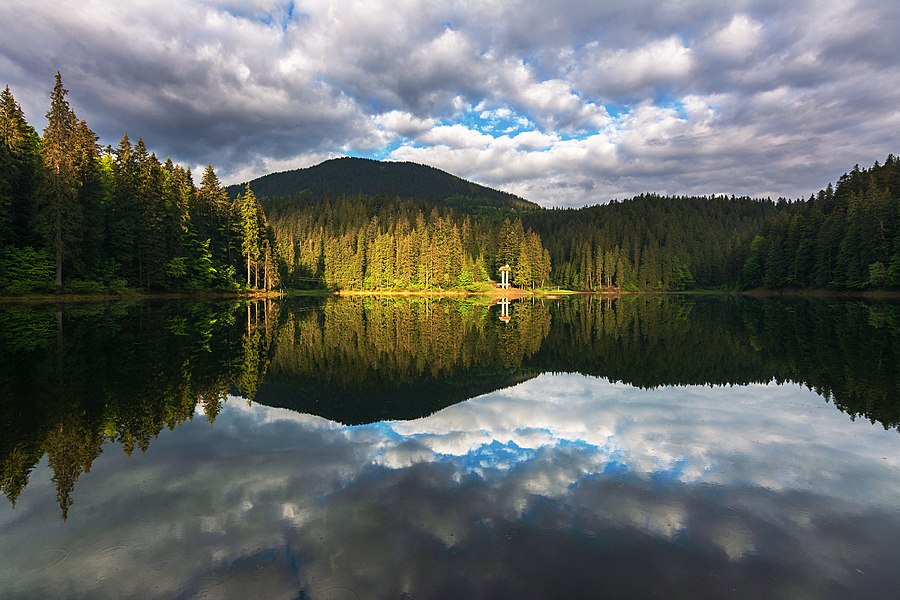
{"x": 751, "y": 97}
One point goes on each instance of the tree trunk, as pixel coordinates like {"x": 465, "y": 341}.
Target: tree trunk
{"x": 59, "y": 286}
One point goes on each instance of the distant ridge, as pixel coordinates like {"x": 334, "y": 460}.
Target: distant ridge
{"x": 366, "y": 177}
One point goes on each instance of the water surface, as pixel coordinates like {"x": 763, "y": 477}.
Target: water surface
{"x": 632, "y": 448}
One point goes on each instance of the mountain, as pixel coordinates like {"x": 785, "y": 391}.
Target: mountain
{"x": 365, "y": 177}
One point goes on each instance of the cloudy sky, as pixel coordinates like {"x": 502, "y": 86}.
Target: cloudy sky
{"x": 564, "y": 103}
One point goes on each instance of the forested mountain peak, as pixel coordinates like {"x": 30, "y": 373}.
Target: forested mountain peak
{"x": 348, "y": 176}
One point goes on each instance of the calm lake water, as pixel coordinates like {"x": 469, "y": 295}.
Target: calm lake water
{"x": 372, "y": 448}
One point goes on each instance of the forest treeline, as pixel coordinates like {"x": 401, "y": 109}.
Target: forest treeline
{"x": 651, "y": 242}
{"x": 845, "y": 237}
{"x": 83, "y": 218}
{"x": 78, "y": 217}
{"x": 381, "y": 244}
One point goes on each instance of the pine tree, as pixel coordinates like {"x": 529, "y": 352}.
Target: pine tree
{"x": 249, "y": 210}
{"x": 18, "y": 171}
{"x": 123, "y": 210}
{"x": 60, "y": 212}
{"x": 213, "y": 214}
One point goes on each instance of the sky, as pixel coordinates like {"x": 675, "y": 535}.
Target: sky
{"x": 563, "y": 103}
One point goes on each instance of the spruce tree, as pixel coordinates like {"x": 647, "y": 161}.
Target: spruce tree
{"x": 249, "y": 209}
{"x": 18, "y": 171}
{"x": 59, "y": 209}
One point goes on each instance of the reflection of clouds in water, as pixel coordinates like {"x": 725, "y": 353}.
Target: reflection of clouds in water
{"x": 564, "y": 477}
{"x": 778, "y": 437}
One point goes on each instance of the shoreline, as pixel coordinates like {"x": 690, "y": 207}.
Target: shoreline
{"x": 134, "y": 296}
{"x": 511, "y": 293}
{"x": 494, "y": 293}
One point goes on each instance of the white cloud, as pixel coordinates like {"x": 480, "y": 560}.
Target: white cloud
{"x": 403, "y": 123}
{"x": 456, "y": 136}
{"x": 610, "y": 73}
{"x": 738, "y": 39}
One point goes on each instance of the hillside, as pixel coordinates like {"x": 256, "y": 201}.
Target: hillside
{"x": 373, "y": 225}
{"x": 345, "y": 177}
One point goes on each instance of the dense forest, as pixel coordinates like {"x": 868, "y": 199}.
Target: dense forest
{"x": 377, "y": 243}
{"x": 845, "y": 238}
{"x": 76, "y": 378}
{"x": 651, "y": 242}
{"x": 80, "y": 218}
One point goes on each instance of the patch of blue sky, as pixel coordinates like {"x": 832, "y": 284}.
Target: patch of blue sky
{"x": 282, "y": 17}
{"x": 663, "y": 99}
{"x": 578, "y": 444}
{"x": 673, "y": 473}
{"x": 495, "y": 121}
{"x": 381, "y": 428}
{"x": 616, "y": 110}
{"x": 496, "y": 456}
{"x": 616, "y": 467}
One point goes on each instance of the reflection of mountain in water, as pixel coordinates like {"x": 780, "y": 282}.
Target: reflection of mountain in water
{"x": 358, "y": 360}
{"x": 362, "y": 360}
{"x": 75, "y": 378}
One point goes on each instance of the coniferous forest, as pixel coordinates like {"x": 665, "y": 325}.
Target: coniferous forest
{"x": 81, "y": 218}
{"x": 76, "y": 217}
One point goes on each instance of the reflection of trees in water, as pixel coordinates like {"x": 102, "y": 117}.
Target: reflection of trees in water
{"x": 846, "y": 351}
{"x": 354, "y": 341}
{"x": 117, "y": 373}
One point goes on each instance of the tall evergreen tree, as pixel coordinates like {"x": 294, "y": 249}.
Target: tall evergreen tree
{"x": 60, "y": 212}
{"x": 123, "y": 210}
{"x": 18, "y": 171}
{"x": 213, "y": 213}
{"x": 249, "y": 211}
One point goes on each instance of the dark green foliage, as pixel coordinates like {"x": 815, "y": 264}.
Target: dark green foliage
{"x": 109, "y": 219}
{"x": 19, "y": 145}
{"x": 846, "y": 237}
{"x": 343, "y": 177}
{"x": 23, "y": 269}
{"x": 651, "y": 242}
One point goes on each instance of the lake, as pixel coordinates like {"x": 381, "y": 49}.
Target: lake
{"x": 366, "y": 447}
